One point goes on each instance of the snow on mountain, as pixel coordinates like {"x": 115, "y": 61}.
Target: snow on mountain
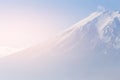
{"x": 100, "y": 28}
{"x": 89, "y": 50}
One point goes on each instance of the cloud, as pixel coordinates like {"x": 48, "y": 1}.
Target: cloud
{"x": 100, "y": 8}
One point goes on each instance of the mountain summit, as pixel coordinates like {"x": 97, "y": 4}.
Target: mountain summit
{"x": 99, "y": 30}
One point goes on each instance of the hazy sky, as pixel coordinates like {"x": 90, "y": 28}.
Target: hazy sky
{"x": 27, "y": 22}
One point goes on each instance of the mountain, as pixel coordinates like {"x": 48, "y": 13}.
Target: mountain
{"x": 100, "y": 28}
{"x": 89, "y": 50}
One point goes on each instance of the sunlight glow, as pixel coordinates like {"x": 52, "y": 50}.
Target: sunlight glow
{"x": 23, "y": 29}
{"x": 5, "y": 51}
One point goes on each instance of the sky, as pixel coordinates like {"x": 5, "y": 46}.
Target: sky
{"x": 24, "y": 23}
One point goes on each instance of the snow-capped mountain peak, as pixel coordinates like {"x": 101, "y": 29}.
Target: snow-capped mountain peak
{"x": 101, "y": 28}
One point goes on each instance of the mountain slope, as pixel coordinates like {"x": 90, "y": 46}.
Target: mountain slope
{"x": 100, "y": 28}
{"x": 89, "y": 50}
